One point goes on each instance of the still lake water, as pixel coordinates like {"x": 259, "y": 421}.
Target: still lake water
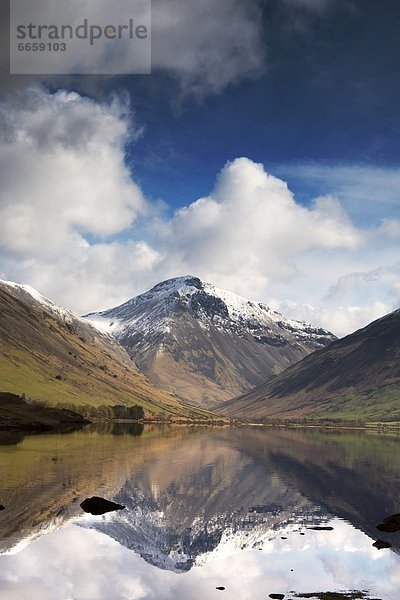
{"x": 205, "y": 508}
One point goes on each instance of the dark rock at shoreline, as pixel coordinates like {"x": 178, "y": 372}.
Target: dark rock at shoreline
{"x": 381, "y": 544}
{"x": 99, "y": 506}
{"x": 390, "y": 524}
{"x": 352, "y": 595}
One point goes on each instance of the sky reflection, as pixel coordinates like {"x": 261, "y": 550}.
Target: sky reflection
{"x": 81, "y": 564}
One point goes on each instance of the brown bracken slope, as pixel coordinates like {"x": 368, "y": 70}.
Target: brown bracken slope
{"x": 67, "y": 363}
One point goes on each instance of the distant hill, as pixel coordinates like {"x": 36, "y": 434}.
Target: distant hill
{"x": 50, "y": 355}
{"x": 355, "y": 378}
{"x": 206, "y": 344}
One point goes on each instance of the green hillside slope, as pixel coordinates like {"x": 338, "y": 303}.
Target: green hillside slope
{"x": 66, "y": 364}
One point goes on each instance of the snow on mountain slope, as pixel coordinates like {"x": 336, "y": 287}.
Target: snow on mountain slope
{"x": 54, "y": 357}
{"x": 30, "y": 296}
{"x": 152, "y": 311}
{"x": 75, "y": 324}
{"x": 206, "y": 344}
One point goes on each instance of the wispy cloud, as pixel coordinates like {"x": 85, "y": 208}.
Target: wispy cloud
{"x": 368, "y": 192}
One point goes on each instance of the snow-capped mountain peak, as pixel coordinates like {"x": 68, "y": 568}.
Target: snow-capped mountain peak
{"x": 206, "y": 302}
{"x": 195, "y": 338}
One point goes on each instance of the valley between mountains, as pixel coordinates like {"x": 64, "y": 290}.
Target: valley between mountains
{"x": 188, "y": 350}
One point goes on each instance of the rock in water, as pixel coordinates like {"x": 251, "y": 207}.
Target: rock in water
{"x": 381, "y": 544}
{"x": 390, "y": 524}
{"x": 99, "y": 506}
{"x": 277, "y": 596}
{"x": 2, "y": 507}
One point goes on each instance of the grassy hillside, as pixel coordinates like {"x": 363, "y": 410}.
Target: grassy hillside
{"x": 64, "y": 365}
{"x": 356, "y": 378}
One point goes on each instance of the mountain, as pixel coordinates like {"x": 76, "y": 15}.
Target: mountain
{"x": 205, "y": 344}
{"x": 50, "y": 355}
{"x": 354, "y": 378}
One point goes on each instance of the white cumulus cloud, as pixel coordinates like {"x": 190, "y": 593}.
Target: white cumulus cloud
{"x": 249, "y": 231}
{"x": 64, "y": 181}
{"x": 62, "y": 171}
{"x": 69, "y": 214}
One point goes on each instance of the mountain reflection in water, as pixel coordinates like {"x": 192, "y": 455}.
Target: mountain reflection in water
{"x": 196, "y": 498}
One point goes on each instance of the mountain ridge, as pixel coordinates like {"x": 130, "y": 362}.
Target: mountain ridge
{"x": 355, "y": 378}
{"x": 54, "y": 357}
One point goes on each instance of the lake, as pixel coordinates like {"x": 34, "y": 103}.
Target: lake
{"x": 256, "y": 511}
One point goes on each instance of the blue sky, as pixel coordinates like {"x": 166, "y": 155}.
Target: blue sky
{"x": 329, "y": 93}
{"x": 261, "y": 155}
